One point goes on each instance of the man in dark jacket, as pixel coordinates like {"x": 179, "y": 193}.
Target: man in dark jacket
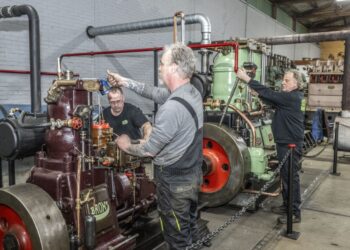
{"x": 287, "y": 128}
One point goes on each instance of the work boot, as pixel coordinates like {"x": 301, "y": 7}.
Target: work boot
{"x": 282, "y": 210}
{"x": 283, "y": 219}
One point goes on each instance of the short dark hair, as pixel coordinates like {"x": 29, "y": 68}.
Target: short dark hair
{"x": 114, "y": 90}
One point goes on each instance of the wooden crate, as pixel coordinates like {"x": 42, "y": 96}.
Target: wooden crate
{"x": 325, "y": 89}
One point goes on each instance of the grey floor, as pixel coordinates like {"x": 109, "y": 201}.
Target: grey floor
{"x": 325, "y": 211}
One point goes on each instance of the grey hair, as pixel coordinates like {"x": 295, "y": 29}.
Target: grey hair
{"x": 183, "y": 57}
{"x": 297, "y": 76}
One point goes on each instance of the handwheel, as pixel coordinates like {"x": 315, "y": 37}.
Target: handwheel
{"x": 30, "y": 220}
{"x": 225, "y": 155}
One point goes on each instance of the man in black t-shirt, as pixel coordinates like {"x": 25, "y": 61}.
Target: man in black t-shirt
{"x": 125, "y": 118}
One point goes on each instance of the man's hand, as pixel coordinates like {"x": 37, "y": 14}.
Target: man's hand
{"x": 123, "y": 142}
{"x": 242, "y": 74}
{"x": 115, "y": 79}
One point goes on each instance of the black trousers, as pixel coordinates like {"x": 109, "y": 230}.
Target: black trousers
{"x": 282, "y": 150}
{"x": 177, "y": 207}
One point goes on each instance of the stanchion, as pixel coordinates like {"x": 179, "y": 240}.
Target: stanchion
{"x": 289, "y": 232}
{"x": 335, "y": 150}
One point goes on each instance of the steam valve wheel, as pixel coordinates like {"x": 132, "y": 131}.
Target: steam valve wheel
{"x": 77, "y": 123}
{"x": 30, "y": 220}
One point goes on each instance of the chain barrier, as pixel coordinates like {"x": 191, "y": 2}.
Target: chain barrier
{"x": 251, "y": 200}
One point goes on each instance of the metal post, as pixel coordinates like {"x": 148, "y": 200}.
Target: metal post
{"x": 155, "y": 60}
{"x": 12, "y": 174}
{"x": 335, "y": 150}
{"x": 1, "y": 185}
{"x": 290, "y": 233}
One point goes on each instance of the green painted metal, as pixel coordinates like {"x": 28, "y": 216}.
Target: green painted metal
{"x": 258, "y": 162}
{"x": 267, "y": 136}
{"x": 258, "y": 141}
{"x": 256, "y": 58}
{"x": 224, "y": 77}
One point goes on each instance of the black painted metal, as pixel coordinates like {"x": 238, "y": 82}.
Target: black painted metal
{"x": 346, "y": 78}
{"x": 290, "y": 193}
{"x": 1, "y": 184}
{"x": 34, "y": 47}
{"x": 289, "y": 232}
{"x": 156, "y": 77}
{"x": 335, "y": 149}
{"x": 11, "y": 172}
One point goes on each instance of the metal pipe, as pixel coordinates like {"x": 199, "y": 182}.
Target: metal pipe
{"x": 346, "y": 79}
{"x": 34, "y": 49}
{"x": 154, "y": 24}
{"x": 290, "y": 190}
{"x": 11, "y": 172}
{"x": 218, "y": 104}
{"x": 335, "y": 149}
{"x": 1, "y": 184}
{"x": 180, "y": 15}
{"x": 306, "y": 38}
{"x": 272, "y": 194}
{"x": 27, "y": 72}
{"x": 155, "y": 75}
{"x": 234, "y": 45}
{"x": 77, "y": 199}
{"x": 245, "y": 118}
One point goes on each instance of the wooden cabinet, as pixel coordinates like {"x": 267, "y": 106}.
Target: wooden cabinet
{"x": 325, "y": 91}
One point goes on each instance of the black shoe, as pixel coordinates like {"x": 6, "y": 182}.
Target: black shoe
{"x": 282, "y": 210}
{"x": 283, "y": 219}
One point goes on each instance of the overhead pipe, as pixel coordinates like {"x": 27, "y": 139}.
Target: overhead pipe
{"x": 34, "y": 49}
{"x": 306, "y": 38}
{"x": 320, "y": 37}
{"x": 27, "y": 72}
{"x": 154, "y": 24}
{"x": 234, "y": 45}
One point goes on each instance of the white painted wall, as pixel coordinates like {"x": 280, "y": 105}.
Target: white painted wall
{"x": 63, "y": 25}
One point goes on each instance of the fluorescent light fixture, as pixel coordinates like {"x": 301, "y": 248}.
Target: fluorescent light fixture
{"x": 342, "y": 0}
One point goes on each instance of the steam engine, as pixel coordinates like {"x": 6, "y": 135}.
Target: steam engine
{"x": 82, "y": 191}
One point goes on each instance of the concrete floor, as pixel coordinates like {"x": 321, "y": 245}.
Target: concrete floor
{"x": 325, "y": 211}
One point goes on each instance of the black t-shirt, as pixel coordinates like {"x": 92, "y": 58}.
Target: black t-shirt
{"x": 128, "y": 122}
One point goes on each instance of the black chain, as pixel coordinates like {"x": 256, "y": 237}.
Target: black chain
{"x": 237, "y": 215}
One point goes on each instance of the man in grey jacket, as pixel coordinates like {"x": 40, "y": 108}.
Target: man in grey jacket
{"x": 175, "y": 143}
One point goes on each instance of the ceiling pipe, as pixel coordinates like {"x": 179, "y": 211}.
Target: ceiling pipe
{"x": 321, "y": 37}
{"x": 154, "y": 24}
{"x": 34, "y": 49}
{"x": 305, "y": 38}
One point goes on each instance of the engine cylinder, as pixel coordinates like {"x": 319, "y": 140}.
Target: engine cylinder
{"x": 61, "y": 141}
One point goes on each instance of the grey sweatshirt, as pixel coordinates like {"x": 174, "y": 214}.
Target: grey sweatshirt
{"x": 174, "y": 127}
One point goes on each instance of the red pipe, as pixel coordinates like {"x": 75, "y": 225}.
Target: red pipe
{"x": 108, "y": 52}
{"x": 27, "y": 72}
{"x": 234, "y": 45}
